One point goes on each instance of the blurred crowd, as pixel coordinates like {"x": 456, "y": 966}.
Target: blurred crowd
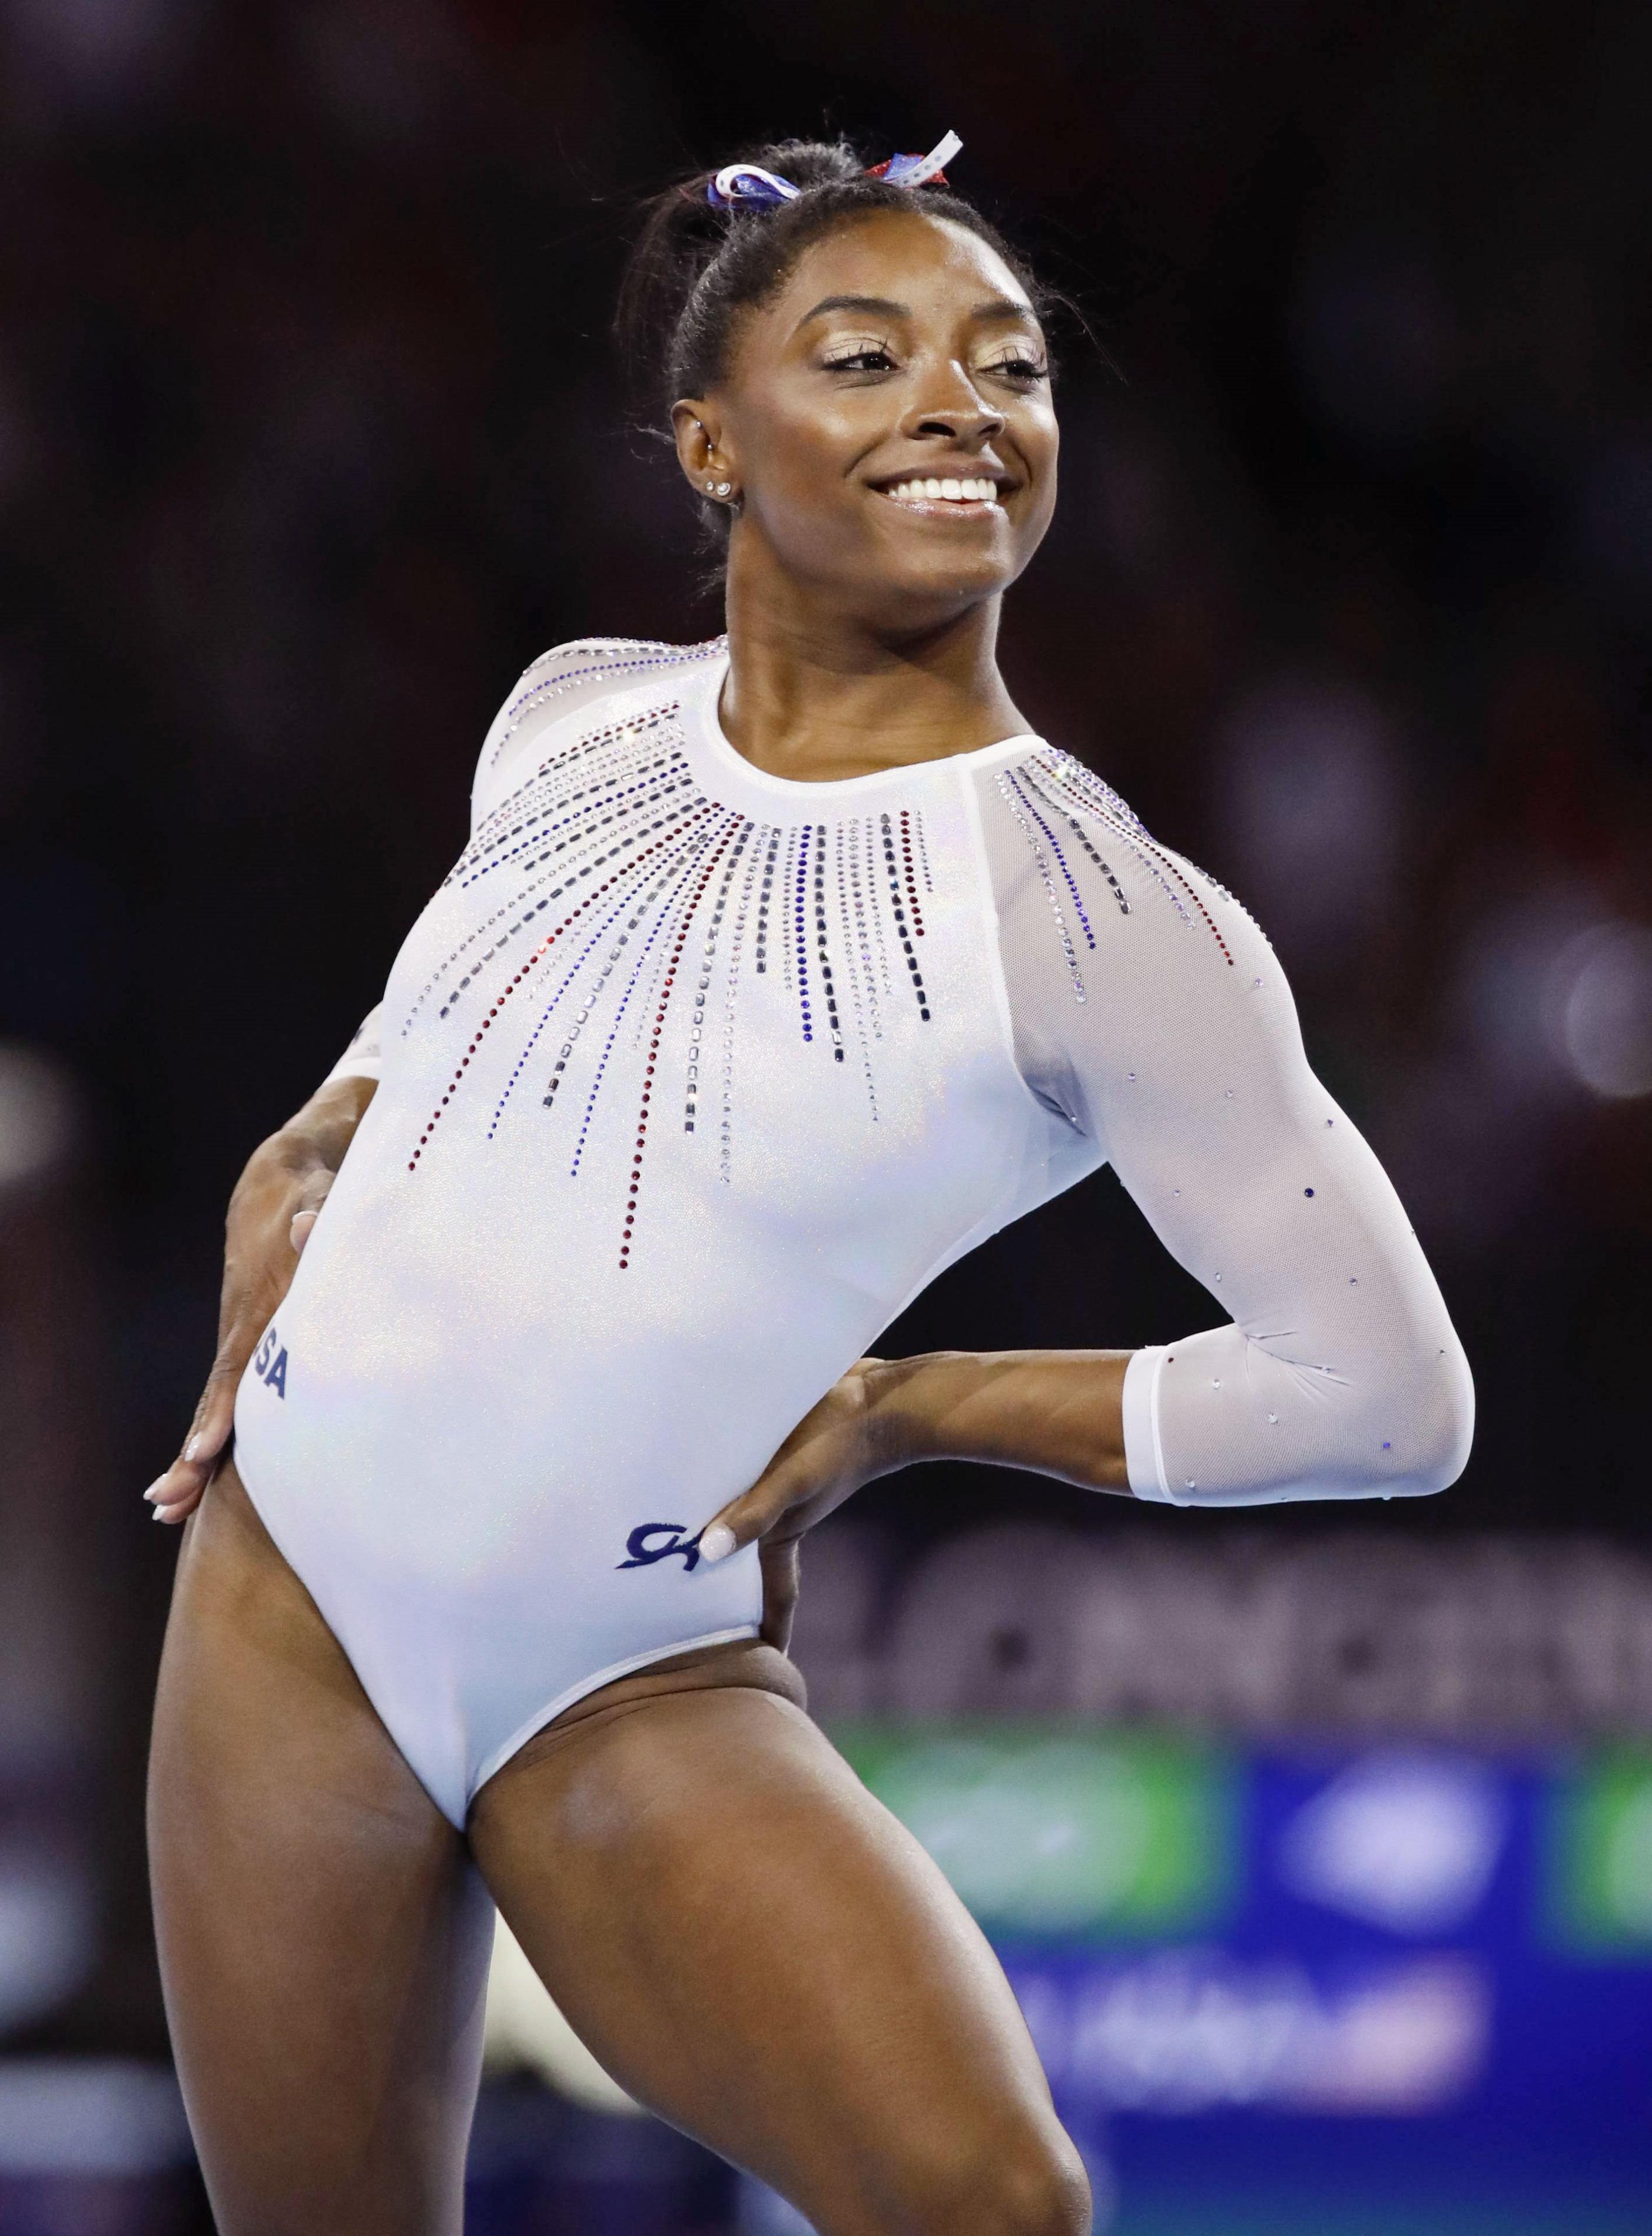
{"x": 311, "y": 434}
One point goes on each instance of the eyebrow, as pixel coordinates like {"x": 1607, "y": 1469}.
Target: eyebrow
{"x": 881, "y": 307}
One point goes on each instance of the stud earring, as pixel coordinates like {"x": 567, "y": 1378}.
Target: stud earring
{"x": 709, "y": 486}
{"x": 723, "y": 488}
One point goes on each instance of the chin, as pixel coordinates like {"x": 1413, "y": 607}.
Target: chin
{"x": 933, "y": 592}
{"x": 889, "y": 583}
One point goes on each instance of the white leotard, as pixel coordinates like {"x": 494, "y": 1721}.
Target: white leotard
{"x": 692, "y": 1077}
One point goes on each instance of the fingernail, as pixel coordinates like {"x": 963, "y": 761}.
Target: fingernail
{"x": 716, "y": 1543}
{"x": 159, "y": 1514}
{"x": 153, "y": 1491}
{"x": 192, "y": 1448}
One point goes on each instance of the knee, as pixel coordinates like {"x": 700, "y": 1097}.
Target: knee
{"x": 1032, "y": 2185}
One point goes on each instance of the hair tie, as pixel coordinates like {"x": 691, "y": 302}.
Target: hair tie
{"x": 920, "y": 170}
{"x": 747, "y": 182}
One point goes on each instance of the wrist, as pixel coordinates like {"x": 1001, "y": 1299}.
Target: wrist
{"x": 282, "y": 1164}
{"x": 317, "y": 1137}
{"x": 276, "y": 1177}
{"x": 1057, "y": 1412}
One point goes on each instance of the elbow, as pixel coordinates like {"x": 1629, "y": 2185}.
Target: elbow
{"x": 1427, "y": 1424}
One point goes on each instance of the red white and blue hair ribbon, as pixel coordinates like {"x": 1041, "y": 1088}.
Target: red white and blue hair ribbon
{"x": 920, "y": 170}
{"x": 749, "y": 182}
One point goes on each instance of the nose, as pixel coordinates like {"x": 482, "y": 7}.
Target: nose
{"x": 953, "y": 410}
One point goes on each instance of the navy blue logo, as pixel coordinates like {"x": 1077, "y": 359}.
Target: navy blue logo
{"x": 643, "y": 1554}
{"x": 270, "y": 1363}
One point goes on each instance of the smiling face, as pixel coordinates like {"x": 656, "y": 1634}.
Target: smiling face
{"x": 886, "y": 424}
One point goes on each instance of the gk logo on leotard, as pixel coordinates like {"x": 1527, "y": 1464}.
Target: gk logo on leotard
{"x": 643, "y": 1554}
{"x": 270, "y": 1363}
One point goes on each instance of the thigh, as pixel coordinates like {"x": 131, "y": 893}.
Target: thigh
{"x": 756, "y": 1950}
{"x": 324, "y": 1938}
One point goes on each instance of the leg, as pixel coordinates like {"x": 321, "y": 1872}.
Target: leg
{"x": 755, "y": 1949}
{"x": 324, "y": 1938}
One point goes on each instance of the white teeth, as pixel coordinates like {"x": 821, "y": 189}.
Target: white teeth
{"x": 976, "y": 491}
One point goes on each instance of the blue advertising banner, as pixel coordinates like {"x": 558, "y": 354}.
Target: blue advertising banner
{"x": 1393, "y": 1990}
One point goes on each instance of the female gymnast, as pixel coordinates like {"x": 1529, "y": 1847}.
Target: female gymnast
{"x": 777, "y": 972}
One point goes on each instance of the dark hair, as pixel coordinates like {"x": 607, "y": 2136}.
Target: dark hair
{"x": 697, "y": 266}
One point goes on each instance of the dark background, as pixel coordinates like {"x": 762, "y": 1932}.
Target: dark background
{"x": 311, "y": 434}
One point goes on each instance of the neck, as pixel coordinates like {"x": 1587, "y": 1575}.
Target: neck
{"x": 817, "y": 695}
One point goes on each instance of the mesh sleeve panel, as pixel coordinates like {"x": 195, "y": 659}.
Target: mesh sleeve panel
{"x": 1150, "y": 1010}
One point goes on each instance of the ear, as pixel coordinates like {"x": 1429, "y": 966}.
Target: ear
{"x": 702, "y": 451}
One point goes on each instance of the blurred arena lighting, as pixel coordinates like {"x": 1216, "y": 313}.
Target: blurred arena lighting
{"x": 1627, "y": 1864}
{"x": 38, "y": 1118}
{"x": 1314, "y": 774}
{"x": 104, "y": 55}
{"x": 526, "y": 2031}
{"x": 94, "y": 2117}
{"x": 1600, "y": 1008}
{"x": 1405, "y": 1842}
{"x": 48, "y": 1939}
{"x": 1512, "y": 967}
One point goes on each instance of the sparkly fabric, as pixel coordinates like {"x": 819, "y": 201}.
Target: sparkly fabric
{"x": 690, "y": 1078}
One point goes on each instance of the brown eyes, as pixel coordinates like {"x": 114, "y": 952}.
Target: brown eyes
{"x": 866, "y": 356}
{"x": 1025, "y": 369}
{"x": 874, "y": 356}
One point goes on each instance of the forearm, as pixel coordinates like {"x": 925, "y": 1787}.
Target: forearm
{"x": 1055, "y": 1412}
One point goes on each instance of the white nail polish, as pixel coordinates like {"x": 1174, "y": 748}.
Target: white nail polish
{"x": 157, "y": 1514}
{"x": 153, "y": 1488}
{"x": 192, "y": 1447}
{"x": 717, "y": 1543}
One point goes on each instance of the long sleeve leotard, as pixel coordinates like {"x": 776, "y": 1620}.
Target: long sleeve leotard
{"x": 692, "y": 1077}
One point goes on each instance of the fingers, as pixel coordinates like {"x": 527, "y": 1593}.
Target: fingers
{"x": 174, "y": 1495}
{"x": 779, "y": 1557}
{"x": 269, "y": 1213}
{"x": 824, "y": 1459}
{"x": 744, "y": 1519}
{"x": 795, "y": 1492}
